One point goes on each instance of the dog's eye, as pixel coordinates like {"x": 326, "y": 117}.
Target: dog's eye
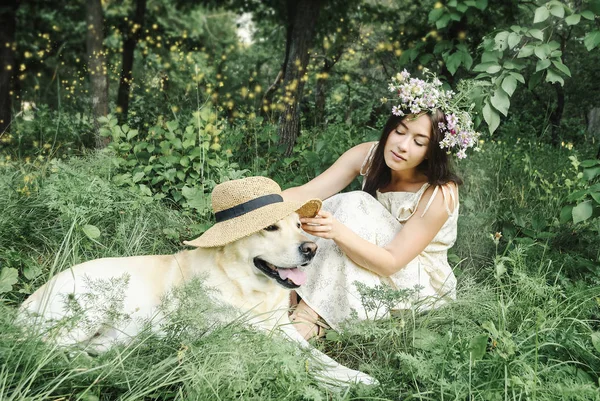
{"x": 299, "y": 225}
{"x": 272, "y": 228}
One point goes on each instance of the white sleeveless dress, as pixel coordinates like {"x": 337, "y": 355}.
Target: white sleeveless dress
{"x": 330, "y": 287}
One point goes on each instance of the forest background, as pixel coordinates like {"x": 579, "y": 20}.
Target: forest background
{"x": 117, "y": 119}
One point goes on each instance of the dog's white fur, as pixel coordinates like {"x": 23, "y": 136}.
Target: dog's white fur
{"x": 145, "y": 280}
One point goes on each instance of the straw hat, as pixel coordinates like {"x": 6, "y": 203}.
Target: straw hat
{"x": 246, "y": 206}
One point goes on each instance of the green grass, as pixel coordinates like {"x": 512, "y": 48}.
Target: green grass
{"x": 526, "y": 325}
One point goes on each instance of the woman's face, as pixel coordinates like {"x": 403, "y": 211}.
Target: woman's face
{"x": 407, "y": 144}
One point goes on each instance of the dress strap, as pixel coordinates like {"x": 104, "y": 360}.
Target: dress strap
{"x": 366, "y": 166}
{"x": 435, "y": 191}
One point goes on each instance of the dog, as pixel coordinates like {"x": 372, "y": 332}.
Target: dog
{"x": 253, "y": 274}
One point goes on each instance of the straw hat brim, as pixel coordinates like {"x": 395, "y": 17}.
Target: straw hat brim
{"x": 237, "y": 228}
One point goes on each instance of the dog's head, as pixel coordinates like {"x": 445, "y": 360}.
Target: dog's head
{"x": 279, "y": 250}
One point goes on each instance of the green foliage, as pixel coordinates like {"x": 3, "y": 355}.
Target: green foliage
{"x": 513, "y": 52}
{"x": 40, "y": 132}
{"x": 48, "y": 209}
{"x": 183, "y": 163}
{"x": 522, "y": 337}
{"x": 584, "y": 200}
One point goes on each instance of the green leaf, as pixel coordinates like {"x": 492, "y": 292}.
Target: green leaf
{"x": 591, "y": 40}
{"x": 541, "y": 14}
{"x": 596, "y": 340}
{"x": 492, "y": 69}
{"x": 509, "y": 84}
{"x": 591, "y": 173}
{"x": 92, "y": 232}
{"x": 196, "y": 198}
{"x": 534, "y": 80}
{"x": 132, "y": 134}
{"x": 589, "y": 163}
{"x": 500, "y": 270}
{"x": 145, "y": 190}
{"x": 566, "y": 214}
{"x": 172, "y": 125}
{"x": 138, "y": 176}
{"x": 513, "y": 39}
{"x": 501, "y": 40}
{"x": 483, "y": 66}
{"x": 525, "y": 51}
{"x": 536, "y": 33}
{"x": 542, "y": 65}
{"x": 587, "y": 14}
{"x": 435, "y": 14}
{"x": 482, "y": 4}
{"x": 490, "y": 57}
{"x": 467, "y": 60}
{"x": 453, "y": 62}
{"x": 578, "y": 195}
{"x": 184, "y": 161}
{"x": 557, "y": 10}
{"x": 205, "y": 114}
{"x": 491, "y": 117}
{"x": 501, "y": 101}
{"x": 477, "y": 346}
{"x": 582, "y": 212}
{"x": 596, "y": 197}
{"x": 8, "y": 277}
{"x": 542, "y": 51}
{"x": 553, "y": 77}
{"x": 562, "y": 68}
{"x": 573, "y": 19}
{"x": 518, "y": 77}
{"x": 443, "y": 21}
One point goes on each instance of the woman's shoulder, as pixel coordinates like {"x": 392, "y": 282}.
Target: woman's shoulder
{"x": 364, "y": 153}
{"x": 365, "y": 147}
{"x": 441, "y": 198}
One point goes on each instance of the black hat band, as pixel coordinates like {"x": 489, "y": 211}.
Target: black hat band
{"x": 247, "y": 207}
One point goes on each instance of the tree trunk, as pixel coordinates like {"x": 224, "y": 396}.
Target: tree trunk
{"x": 134, "y": 31}
{"x": 304, "y": 20}
{"x": 557, "y": 114}
{"x": 268, "y": 97}
{"x": 8, "y": 21}
{"x": 593, "y": 125}
{"x": 97, "y": 66}
{"x": 320, "y": 97}
{"x": 320, "y": 102}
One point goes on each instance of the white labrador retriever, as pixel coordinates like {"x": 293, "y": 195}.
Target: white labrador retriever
{"x": 253, "y": 274}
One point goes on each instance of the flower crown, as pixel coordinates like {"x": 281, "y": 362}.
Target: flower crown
{"x": 417, "y": 96}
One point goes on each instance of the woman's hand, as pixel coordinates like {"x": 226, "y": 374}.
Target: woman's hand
{"x": 323, "y": 225}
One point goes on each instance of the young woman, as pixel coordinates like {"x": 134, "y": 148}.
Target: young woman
{"x": 397, "y": 230}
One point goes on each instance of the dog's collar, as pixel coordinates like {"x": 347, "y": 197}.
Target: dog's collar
{"x": 247, "y": 207}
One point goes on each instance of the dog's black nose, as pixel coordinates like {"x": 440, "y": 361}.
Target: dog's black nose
{"x": 308, "y": 248}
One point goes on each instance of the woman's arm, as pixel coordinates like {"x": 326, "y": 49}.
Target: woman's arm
{"x": 334, "y": 179}
{"x": 416, "y": 234}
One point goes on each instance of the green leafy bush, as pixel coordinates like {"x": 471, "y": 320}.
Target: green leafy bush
{"x": 183, "y": 163}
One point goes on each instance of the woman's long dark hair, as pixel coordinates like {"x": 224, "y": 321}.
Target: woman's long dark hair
{"x": 436, "y": 166}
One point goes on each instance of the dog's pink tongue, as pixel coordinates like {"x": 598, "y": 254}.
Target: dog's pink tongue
{"x": 295, "y": 274}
